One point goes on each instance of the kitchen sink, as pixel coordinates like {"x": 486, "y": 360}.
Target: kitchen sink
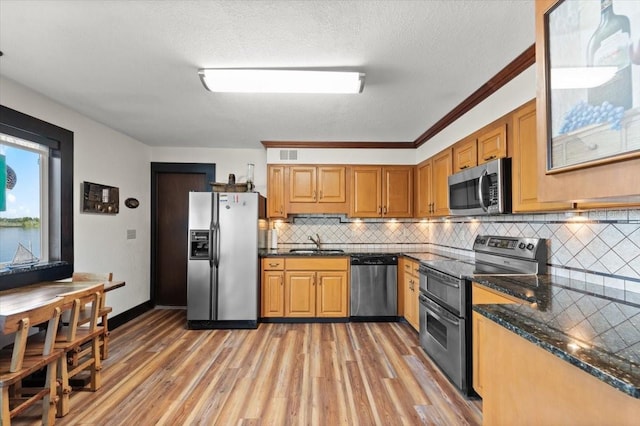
{"x": 316, "y": 251}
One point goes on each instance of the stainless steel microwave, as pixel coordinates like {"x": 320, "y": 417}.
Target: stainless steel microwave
{"x": 481, "y": 190}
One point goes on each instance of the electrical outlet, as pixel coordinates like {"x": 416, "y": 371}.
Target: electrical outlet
{"x": 131, "y": 234}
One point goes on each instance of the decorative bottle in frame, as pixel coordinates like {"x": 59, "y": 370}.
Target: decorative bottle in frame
{"x": 609, "y": 46}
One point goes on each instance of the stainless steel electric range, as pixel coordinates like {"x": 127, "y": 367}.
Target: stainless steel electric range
{"x": 445, "y": 298}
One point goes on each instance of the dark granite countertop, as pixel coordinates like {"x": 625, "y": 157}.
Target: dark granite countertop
{"x": 574, "y": 321}
{"x": 418, "y": 256}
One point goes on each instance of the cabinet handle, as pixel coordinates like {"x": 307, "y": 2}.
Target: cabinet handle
{"x": 491, "y": 157}
{"x": 464, "y": 167}
{"x": 314, "y": 195}
{"x": 273, "y": 265}
{"x": 379, "y": 210}
{"x": 281, "y": 281}
{"x": 281, "y": 209}
{"x": 385, "y": 209}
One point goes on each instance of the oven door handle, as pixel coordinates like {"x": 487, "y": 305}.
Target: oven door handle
{"x": 436, "y": 312}
{"x": 443, "y": 279}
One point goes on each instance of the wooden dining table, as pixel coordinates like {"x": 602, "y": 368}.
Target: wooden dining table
{"x": 16, "y": 303}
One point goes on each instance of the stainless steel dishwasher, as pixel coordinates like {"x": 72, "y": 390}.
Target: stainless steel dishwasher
{"x": 374, "y": 287}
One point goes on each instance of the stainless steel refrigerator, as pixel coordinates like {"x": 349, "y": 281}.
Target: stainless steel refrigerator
{"x": 222, "y": 270}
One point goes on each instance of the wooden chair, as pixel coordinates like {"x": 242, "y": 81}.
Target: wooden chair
{"x": 104, "y": 311}
{"x": 28, "y": 355}
{"x": 81, "y": 330}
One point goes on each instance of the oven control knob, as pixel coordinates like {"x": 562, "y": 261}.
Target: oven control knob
{"x": 529, "y": 246}
{"x": 521, "y": 246}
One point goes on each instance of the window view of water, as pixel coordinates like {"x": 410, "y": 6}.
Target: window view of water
{"x": 10, "y": 237}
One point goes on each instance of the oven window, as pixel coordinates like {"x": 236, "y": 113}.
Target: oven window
{"x": 437, "y": 330}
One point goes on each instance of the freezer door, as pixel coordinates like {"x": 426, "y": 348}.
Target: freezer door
{"x": 200, "y": 210}
{"x": 238, "y": 257}
{"x": 199, "y": 270}
{"x": 198, "y": 290}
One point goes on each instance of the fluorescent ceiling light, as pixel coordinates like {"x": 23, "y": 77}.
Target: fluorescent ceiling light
{"x": 281, "y": 81}
{"x": 581, "y": 77}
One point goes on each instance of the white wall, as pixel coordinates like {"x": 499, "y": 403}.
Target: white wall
{"x": 227, "y": 161}
{"x": 344, "y": 156}
{"x": 101, "y": 155}
{"x": 515, "y": 93}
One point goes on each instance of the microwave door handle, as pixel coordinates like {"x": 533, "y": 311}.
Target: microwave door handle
{"x": 480, "y": 181}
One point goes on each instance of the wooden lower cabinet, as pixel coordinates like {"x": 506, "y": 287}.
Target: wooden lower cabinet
{"x": 306, "y": 288}
{"x": 332, "y": 294}
{"x": 272, "y": 293}
{"x": 409, "y": 279}
{"x": 481, "y": 295}
{"x": 527, "y": 385}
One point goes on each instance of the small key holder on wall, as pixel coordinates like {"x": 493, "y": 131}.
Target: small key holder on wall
{"x": 97, "y": 198}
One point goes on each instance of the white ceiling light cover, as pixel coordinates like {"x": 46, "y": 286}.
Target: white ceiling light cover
{"x": 281, "y": 81}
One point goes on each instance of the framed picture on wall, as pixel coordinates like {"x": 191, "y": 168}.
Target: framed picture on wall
{"x": 591, "y": 82}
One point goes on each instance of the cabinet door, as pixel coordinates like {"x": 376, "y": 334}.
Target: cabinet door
{"x": 331, "y": 185}
{"x": 397, "y": 190}
{"x": 332, "y": 295}
{"x": 273, "y": 294}
{"x": 411, "y": 300}
{"x": 440, "y": 187}
{"x": 365, "y": 192}
{"x": 478, "y": 332}
{"x": 465, "y": 154}
{"x": 300, "y": 294}
{"x": 423, "y": 197}
{"x": 492, "y": 144}
{"x": 302, "y": 184}
{"x": 524, "y": 168}
{"x": 275, "y": 191}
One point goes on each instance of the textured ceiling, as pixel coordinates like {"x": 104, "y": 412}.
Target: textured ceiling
{"x": 132, "y": 65}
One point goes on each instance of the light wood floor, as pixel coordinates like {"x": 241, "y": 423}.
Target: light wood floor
{"x": 158, "y": 372}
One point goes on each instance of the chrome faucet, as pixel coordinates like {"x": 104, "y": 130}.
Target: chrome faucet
{"x": 316, "y": 242}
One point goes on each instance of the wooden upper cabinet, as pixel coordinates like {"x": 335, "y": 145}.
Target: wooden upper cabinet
{"x": 302, "y": 184}
{"x": 611, "y": 178}
{"x": 316, "y": 189}
{"x": 397, "y": 188}
{"x": 332, "y": 184}
{"x": 381, "y": 191}
{"x": 366, "y": 191}
{"x": 524, "y": 165}
{"x": 492, "y": 144}
{"x": 465, "y": 154}
{"x": 423, "y": 193}
{"x": 442, "y": 169}
{"x": 275, "y": 192}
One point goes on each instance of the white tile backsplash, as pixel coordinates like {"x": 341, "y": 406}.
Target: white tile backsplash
{"x": 600, "y": 247}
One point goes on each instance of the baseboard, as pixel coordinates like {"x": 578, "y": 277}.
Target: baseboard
{"x": 126, "y": 316}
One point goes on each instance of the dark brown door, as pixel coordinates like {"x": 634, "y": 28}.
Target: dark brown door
{"x": 171, "y": 185}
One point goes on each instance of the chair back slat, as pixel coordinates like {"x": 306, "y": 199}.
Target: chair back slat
{"x": 92, "y": 276}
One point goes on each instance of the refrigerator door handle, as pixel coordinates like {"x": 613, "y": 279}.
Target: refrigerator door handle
{"x": 212, "y": 239}
{"x": 217, "y": 244}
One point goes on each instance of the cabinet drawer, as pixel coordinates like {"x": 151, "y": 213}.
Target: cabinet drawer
{"x": 411, "y": 267}
{"x": 317, "y": 264}
{"x": 481, "y": 295}
{"x": 273, "y": 263}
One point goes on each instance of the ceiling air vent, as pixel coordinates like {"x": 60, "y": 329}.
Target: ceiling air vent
{"x": 288, "y": 154}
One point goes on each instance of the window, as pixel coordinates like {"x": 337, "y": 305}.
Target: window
{"x": 39, "y": 156}
{"x": 23, "y": 234}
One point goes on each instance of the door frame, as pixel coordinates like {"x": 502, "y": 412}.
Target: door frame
{"x": 209, "y": 169}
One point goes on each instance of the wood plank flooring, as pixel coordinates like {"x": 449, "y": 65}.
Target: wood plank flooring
{"x": 158, "y": 372}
